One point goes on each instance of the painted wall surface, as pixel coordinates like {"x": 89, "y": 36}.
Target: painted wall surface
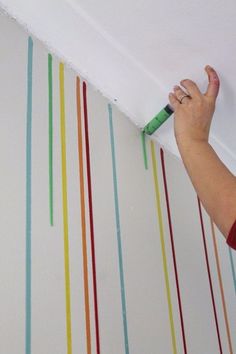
{"x": 134, "y": 52}
{"x": 97, "y": 253}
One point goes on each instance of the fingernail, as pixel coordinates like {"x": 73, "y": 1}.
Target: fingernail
{"x": 176, "y": 87}
{"x": 210, "y": 67}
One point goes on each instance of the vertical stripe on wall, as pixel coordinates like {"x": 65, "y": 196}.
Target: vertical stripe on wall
{"x": 144, "y": 148}
{"x": 83, "y": 218}
{"x": 90, "y": 202}
{"x": 28, "y": 198}
{"x": 65, "y": 209}
{"x": 209, "y": 275}
{"x": 159, "y": 215}
{"x": 232, "y": 267}
{"x": 173, "y": 250}
{"x": 221, "y": 288}
{"x": 118, "y": 232}
{"x": 50, "y": 137}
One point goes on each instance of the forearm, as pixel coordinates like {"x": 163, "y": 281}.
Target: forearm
{"x": 213, "y": 182}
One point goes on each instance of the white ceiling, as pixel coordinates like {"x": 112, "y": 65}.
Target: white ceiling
{"x": 134, "y": 51}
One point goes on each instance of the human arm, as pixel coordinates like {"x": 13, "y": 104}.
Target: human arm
{"x": 213, "y": 182}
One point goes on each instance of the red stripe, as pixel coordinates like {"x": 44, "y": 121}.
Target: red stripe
{"x": 91, "y": 216}
{"x": 173, "y": 250}
{"x": 209, "y": 275}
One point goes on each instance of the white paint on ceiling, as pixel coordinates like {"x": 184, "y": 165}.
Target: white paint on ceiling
{"x": 134, "y": 51}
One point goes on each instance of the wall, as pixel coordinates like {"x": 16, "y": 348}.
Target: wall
{"x": 142, "y": 50}
{"x": 98, "y": 254}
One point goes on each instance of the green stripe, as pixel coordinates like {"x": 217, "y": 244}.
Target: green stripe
{"x": 143, "y": 137}
{"x": 50, "y": 137}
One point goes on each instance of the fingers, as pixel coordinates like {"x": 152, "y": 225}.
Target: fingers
{"x": 214, "y": 83}
{"x": 179, "y": 93}
{"x": 173, "y": 101}
{"x": 191, "y": 87}
{"x": 193, "y": 90}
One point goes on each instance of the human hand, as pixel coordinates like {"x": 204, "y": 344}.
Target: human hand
{"x": 194, "y": 115}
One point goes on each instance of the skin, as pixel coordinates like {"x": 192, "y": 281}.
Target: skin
{"x": 213, "y": 182}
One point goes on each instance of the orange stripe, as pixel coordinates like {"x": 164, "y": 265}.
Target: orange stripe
{"x": 221, "y": 288}
{"x": 83, "y": 223}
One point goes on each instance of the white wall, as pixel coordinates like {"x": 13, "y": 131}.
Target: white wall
{"x": 134, "y": 52}
{"x": 150, "y": 308}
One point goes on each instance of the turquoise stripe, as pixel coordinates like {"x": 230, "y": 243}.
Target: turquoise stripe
{"x": 118, "y": 232}
{"x": 28, "y": 200}
{"x": 50, "y": 136}
{"x": 232, "y": 268}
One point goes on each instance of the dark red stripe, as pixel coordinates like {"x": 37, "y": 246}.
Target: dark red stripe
{"x": 91, "y": 216}
{"x": 173, "y": 250}
{"x": 209, "y": 275}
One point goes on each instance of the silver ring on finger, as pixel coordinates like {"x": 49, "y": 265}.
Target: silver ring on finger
{"x": 182, "y": 97}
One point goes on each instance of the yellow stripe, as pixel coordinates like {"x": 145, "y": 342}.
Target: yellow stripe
{"x": 159, "y": 215}
{"x": 65, "y": 209}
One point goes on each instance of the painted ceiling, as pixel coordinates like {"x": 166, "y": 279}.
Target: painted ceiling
{"x": 135, "y": 51}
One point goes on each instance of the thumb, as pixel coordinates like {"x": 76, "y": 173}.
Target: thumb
{"x": 214, "y": 83}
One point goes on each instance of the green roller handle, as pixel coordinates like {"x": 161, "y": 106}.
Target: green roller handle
{"x": 158, "y": 120}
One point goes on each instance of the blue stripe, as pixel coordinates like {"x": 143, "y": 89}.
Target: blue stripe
{"x": 28, "y": 200}
{"x": 118, "y": 232}
{"x": 232, "y": 267}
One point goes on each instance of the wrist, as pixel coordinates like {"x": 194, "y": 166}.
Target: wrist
{"x": 186, "y": 145}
